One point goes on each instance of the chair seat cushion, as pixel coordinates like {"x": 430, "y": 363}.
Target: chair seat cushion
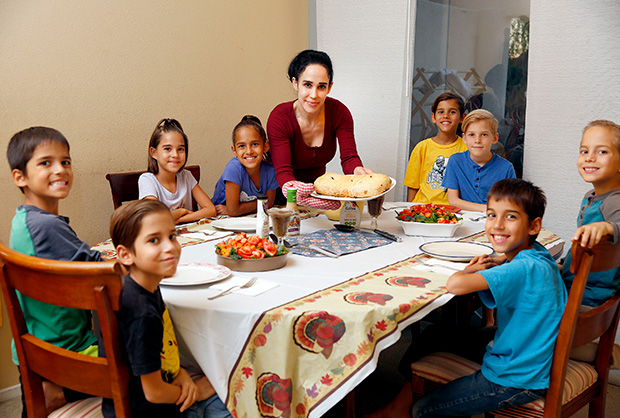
{"x": 445, "y": 367}
{"x": 84, "y": 408}
{"x": 579, "y": 377}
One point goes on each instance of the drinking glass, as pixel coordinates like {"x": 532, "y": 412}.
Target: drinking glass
{"x": 374, "y": 209}
{"x": 280, "y": 219}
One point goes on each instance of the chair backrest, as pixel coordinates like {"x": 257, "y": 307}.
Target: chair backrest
{"x": 577, "y": 327}
{"x": 124, "y": 186}
{"x": 92, "y": 286}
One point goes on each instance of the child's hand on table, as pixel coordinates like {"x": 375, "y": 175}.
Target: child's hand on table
{"x": 221, "y": 210}
{"x": 178, "y": 213}
{"x": 483, "y": 262}
{"x": 591, "y": 234}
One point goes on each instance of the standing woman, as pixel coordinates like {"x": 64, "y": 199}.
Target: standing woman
{"x": 304, "y": 133}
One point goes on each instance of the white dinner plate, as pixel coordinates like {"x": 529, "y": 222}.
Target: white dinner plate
{"x": 236, "y": 224}
{"x": 194, "y": 274}
{"x": 353, "y": 199}
{"x": 455, "y": 250}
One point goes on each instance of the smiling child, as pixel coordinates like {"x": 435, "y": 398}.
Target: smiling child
{"x": 428, "y": 160}
{"x": 247, "y": 175}
{"x": 599, "y": 164}
{"x": 529, "y": 295}
{"x": 470, "y": 174}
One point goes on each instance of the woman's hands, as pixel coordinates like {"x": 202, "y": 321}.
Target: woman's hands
{"x": 303, "y": 196}
{"x": 358, "y": 171}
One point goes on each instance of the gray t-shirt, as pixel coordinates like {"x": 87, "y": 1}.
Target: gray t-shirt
{"x": 148, "y": 185}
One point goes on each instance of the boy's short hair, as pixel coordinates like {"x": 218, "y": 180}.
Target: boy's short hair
{"x": 529, "y": 197}
{"x": 478, "y": 115}
{"x": 126, "y": 221}
{"x": 23, "y": 143}
{"x": 449, "y": 96}
{"x": 614, "y": 129}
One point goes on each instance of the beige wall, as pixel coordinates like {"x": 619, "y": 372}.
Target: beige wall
{"x": 104, "y": 76}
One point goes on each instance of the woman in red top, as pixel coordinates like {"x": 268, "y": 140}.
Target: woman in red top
{"x": 304, "y": 133}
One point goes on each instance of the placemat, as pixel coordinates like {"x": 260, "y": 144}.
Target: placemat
{"x": 336, "y": 241}
{"x": 107, "y": 250}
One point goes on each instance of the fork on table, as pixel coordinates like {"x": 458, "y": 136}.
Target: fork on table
{"x": 250, "y": 283}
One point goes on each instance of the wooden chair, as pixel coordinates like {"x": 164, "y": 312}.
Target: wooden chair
{"x": 81, "y": 285}
{"x": 572, "y": 384}
{"x": 124, "y": 186}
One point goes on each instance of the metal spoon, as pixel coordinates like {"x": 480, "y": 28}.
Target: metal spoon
{"x": 384, "y": 234}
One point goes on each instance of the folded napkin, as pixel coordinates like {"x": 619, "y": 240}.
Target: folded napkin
{"x": 261, "y": 285}
{"x": 439, "y": 266}
{"x": 336, "y": 241}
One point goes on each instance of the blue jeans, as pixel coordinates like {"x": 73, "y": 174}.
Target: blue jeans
{"x": 472, "y": 395}
{"x": 209, "y": 408}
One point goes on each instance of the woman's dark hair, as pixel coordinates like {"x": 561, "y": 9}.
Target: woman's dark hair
{"x": 126, "y": 221}
{"x": 307, "y": 57}
{"x": 164, "y": 126}
{"x": 253, "y": 122}
{"x": 523, "y": 193}
{"x": 449, "y": 96}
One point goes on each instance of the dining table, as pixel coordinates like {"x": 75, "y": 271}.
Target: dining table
{"x": 306, "y": 334}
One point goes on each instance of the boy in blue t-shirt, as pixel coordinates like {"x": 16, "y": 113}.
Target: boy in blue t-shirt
{"x": 530, "y": 297}
{"x": 470, "y": 174}
{"x": 599, "y": 164}
{"x": 41, "y": 167}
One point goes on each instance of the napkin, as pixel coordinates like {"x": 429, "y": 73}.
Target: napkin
{"x": 261, "y": 286}
{"x": 440, "y": 266}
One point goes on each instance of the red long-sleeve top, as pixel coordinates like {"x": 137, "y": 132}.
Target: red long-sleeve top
{"x": 294, "y": 160}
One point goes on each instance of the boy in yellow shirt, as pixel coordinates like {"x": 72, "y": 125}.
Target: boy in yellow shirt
{"x": 429, "y": 158}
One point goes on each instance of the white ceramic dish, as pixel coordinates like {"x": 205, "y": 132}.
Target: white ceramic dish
{"x": 235, "y": 224}
{"x": 429, "y": 229}
{"x": 196, "y": 274}
{"x": 455, "y": 250}
{"x": 261, "y": 264}
{"x": 353, "y": 199}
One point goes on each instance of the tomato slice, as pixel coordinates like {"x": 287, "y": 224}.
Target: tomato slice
{"x": 244, "y": 252}
{"x": 270, "y": 248}
{"x": 258, "y": 254}
{"x": 254, "y": 239}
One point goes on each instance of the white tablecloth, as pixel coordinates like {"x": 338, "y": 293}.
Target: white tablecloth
{"x": 214, "y": 333}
